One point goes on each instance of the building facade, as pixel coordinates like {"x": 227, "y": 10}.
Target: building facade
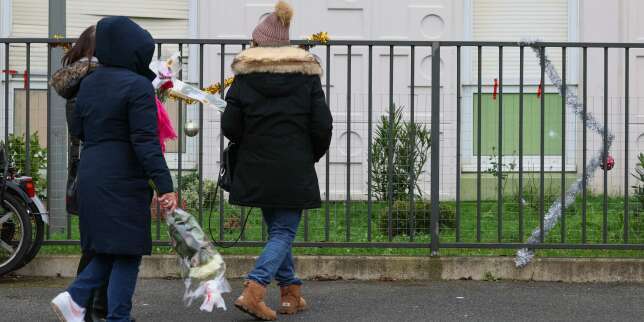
{"x": 495, "y": 20}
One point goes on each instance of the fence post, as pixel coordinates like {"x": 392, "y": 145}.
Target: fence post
{"x": 57, "y": 129}
{"x": 435, "y": 148}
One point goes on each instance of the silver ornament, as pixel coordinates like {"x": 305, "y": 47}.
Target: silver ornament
{"x": 191, "y": 129}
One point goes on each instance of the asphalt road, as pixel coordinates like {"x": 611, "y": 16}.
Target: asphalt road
{"x": 27, "y": 299}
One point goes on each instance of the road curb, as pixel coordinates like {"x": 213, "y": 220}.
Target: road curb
{"x": 391, "y": 268}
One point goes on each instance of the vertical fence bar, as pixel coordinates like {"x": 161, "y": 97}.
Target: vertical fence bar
{"x": 305, "y": 214}
{"x": 500, "y": 165}
{"x": 435, "y": 147}
{"x": 478, "y": 145}
{"x": 243, "y": 213}
{"x": 520, "y": 201}
{"x": 563, "y": 144}
{"x": 626, "y": 141}
{"x": 605, "y": 149}
{"x": 327, "y": 210}
{"x": 390, "y": 150}
{"x": 369, "y": 144}
{"x": 47, "y": 233}
{"x": 458, "y": 144}
{"x": 180, "y": 134}
{"x": 412, "y": 179}
{"x": 6, "y": 92}
{"x": 584, "y": 183}
{"x": 542, "y": 142}
{"x": 200, "y": 153}
{"x": 347, "y": 212}
{"x": 158, "y": 204}
{"x": 222, "y": 77}
{"x": 27, "y": 87}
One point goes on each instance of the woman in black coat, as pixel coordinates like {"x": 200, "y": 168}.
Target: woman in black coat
{"x": 115, "y": 117}
{"x": 278, "y": 116}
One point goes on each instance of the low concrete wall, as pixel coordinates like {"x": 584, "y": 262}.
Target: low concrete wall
{"x": 393, "y": 268}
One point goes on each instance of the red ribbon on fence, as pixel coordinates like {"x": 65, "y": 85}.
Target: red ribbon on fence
{"x": 540, "y": 90}
{"x": 496, "y": 88}
{"x": 25, "y": 79}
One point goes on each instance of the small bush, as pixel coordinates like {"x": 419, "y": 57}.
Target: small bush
{"x": 16, "y": 150}
{"x": 190, "y": 191}
{"x": 403, "y": 220}
{"x": 408, "y": 145}
{"x": 638, "y": 188}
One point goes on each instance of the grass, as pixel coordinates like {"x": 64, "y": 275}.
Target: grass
{"x": 312, "y": 228}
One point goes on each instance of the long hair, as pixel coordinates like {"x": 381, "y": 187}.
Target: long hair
{"x": 83, "y": 48}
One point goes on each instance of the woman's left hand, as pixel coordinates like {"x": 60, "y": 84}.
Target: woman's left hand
{"x": 169, "y": 201}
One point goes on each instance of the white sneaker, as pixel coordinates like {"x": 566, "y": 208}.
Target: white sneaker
{"x": 66, "y": 309}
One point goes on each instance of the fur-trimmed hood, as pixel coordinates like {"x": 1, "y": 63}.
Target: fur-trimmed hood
{"x": 66, "y": 81}
{"x": 276, "y": 60}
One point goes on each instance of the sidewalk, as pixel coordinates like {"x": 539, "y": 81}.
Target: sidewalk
{"x": 26, "y": 299}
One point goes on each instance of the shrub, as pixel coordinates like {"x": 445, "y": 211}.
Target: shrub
{"x": 638, "y": 188}
{"x": 410, "y": 145}
{"x": 402, "y": 219}
{"x": 190, "y": 191}
{"x": 16, "y": 150}
{"x": 502, "y": 169}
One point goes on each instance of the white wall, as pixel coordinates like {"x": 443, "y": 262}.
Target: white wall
{"x": 615, "y": 21}
{"x": 357, "y": 19}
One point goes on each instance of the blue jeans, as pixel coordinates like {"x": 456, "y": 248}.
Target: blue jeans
{"x": 276, "y": 260}
{"x": 120, "y": 272}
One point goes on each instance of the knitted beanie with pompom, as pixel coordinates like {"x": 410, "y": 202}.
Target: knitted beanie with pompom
{"x": 274, "y": 29}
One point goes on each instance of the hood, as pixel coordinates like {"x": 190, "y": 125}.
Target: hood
{"x": 120, "y": 42}
{"x": 276, "y": 60}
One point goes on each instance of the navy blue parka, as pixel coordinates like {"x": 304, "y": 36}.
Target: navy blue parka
{"x": 115, "y": 117}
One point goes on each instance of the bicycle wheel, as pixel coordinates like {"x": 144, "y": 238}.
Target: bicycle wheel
{"x": 15, "y": 234}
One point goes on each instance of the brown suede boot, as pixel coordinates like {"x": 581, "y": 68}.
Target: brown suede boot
{"x": 251, "y": 301}
{"x": 291, "y": 300}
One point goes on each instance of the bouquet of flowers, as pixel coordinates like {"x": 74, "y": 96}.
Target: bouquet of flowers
{"x": 202, "y": 267}
{"x": 167, "y": 84}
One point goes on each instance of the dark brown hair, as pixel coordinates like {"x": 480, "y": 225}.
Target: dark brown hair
{"x": 84, "y": 47}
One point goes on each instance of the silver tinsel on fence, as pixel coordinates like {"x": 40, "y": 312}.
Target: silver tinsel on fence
{"x": 525, "y": 255}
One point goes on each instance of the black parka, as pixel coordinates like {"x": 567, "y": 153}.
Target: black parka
{"x": 278, "y": 115}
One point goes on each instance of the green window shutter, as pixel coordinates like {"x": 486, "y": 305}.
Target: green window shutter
{"x": 531, "y": 124}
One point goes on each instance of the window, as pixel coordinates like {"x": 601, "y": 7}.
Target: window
{"x": 37, "y": 113}
{"x": 172, "y": 106}
{"x": 531, "y": 125}
{"x": 516, "y": 20}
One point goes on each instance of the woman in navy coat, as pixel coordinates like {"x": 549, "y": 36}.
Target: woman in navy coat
{"x": 115, "y": 117}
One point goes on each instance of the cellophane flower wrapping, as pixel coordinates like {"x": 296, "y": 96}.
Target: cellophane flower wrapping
{"x": 202, "y": 267}
{"x": 168, "y": 83}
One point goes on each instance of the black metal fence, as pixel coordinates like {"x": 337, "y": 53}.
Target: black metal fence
{"x": 441, "y": 169}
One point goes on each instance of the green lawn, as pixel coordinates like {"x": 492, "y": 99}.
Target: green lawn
{"x": 314, "y": 224}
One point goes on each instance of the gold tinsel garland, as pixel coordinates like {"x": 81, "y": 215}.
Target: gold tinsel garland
{"x": 66, "y": 46}
{"x": 321, "y": 37}
{"x": 212, "y": 89}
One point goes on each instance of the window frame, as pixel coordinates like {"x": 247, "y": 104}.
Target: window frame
{"x": 530, "y": 163}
